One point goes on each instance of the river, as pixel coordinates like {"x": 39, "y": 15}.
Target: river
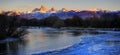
{"x": 41, "y": 41}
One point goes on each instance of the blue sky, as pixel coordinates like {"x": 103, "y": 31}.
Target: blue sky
{"x": 25, "y": 5}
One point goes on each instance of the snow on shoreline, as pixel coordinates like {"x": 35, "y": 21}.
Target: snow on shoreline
{"x": 8, "y": 40}
{"x": 101, "y": 44}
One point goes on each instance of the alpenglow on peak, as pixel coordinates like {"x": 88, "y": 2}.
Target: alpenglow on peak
{"x": 43, "y": 9}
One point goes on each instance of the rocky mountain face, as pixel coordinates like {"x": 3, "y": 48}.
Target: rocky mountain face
{"x": 43, "y": 12}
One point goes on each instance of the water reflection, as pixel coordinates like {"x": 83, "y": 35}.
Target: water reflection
{"x": 42, "y": 40}
{"x": 11, "y": 48}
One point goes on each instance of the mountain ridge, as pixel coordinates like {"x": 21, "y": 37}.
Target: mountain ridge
{"x": 43, "y": 12}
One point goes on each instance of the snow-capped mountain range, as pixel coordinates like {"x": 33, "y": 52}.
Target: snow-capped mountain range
{"x": 64, "y": 13}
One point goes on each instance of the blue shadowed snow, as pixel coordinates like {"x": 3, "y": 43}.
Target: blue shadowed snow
{"x": 101, "y": 44}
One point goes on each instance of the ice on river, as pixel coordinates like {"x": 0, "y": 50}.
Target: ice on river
{"x": 101, "y": 44}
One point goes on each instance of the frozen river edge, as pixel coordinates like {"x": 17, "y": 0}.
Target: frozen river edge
{"x": 101, "y": 44}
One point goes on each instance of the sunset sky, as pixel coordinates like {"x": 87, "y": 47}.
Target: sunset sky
{"x": 26, "y": 5}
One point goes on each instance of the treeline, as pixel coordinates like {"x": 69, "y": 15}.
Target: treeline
{"x": 105, "y": 21}
{"x": 10, "y": 27}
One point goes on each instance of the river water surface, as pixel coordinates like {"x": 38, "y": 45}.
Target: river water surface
{"x": 50, "y": 39}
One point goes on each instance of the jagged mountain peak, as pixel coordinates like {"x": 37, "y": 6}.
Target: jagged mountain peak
{"x": 35, "y": 10}
{"x": 43, "y": 12}
{"x": 64, "y": 10}
{"x": 95, "y": 9}
{"x": 43, "y": 9}
{"x": 2, "y": 11}
{"x": 53, "y": 10}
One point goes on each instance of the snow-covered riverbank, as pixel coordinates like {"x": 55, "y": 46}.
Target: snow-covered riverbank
{"x": 101, "y": 44}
